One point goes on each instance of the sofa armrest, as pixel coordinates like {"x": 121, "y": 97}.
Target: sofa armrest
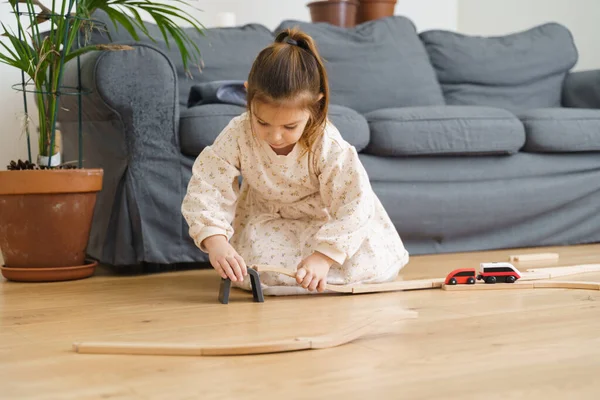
{"x": 582, "y": 89}
{"x": 130, "y": 129}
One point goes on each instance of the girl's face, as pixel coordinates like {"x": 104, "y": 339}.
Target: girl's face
{"x": 281, "y": 126}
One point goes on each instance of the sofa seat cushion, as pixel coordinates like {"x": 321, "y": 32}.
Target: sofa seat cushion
{"x": 199, "y": 126}
{"x": 444, "y": 130}
{"x": 560, "y": 130}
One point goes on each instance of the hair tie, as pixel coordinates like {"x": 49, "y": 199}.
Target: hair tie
{"x": 291, "y": 41}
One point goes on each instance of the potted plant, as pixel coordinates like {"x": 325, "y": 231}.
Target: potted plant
{"x": 369, "y": 10}
{"x": 46, "y": 208}
{"x": 336, "y": 12}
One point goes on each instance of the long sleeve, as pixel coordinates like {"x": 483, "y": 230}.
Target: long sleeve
{"x": 346, "y": 192}
{"x": 210, "y": 201}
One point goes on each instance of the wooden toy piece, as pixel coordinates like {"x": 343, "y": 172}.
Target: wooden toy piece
{"x": 567, "y": 285}
{"x": 364, "y": 288}
{"x": 555, "y": 272}
{"x": 462, "y": 276}
{"x": 224, "y": 290}
{"x": 533, "y": 257}
{"x": 489, "y": 273}
{"x": 290, "y": 273}
{"x": 544, "y": 284}
{"x": 396, "y": 286}
{"x": 493, "y": 272}
{"x": 534, "y": 276}
{"x": 277, "y": 346}
{"x": 589, "y": 267}
{"x": 486, "y": 286}
{"x": 257, "y": 292}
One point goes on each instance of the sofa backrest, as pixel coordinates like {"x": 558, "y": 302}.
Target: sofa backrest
{"x": 377, "y": 64}
{"x": 385, "y": 63}
{"x": 523, "y": 70}
{"x": 226, "y": 53}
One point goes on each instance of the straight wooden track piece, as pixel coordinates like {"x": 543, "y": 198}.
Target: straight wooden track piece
{"x": 589, "y": 267}
{"x": 534, "y": 276}
{"x": 396, "y": 286}
{"x": 533, "y": 257}
{"x": 393, "y": 286}
{"x": 488, "y": 286}
{"x": 543, "y": 284}
{"x": 330, "y": 340}
{"x": 555, "y": 272}
{"x": 290, "y": 273}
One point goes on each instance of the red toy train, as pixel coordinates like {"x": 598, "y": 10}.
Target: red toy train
{"x": 488, "y": 272}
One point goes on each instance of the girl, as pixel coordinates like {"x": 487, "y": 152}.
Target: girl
{"x": 305, "y": 202}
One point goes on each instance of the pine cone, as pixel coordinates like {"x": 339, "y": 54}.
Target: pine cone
{"x": 21, "y": 165}
{"x": 24, "y": 165}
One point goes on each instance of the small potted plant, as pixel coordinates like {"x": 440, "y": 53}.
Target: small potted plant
{"x": 46, "y": 207}
{"x": 336, "y": 12}
{"x": 369, "y": 10}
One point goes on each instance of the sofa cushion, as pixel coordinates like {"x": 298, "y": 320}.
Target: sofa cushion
{"x": 559, "y": 130}
{"x": 519, "y": 71}
{"x": 444, "y": 130}
{"x": 199, "y": 126}
{"x": 352, "y": 126}
{"x": 377, "y": 64}
{"x": 226, "y": 53}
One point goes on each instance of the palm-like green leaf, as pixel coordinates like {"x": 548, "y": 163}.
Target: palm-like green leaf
{"x": 20, "y": 55}
{"x": 42, "y": 57}
{"x": 162, "y": 15}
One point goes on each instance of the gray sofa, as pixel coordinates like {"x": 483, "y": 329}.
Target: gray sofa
{"x": 472, "y": 143}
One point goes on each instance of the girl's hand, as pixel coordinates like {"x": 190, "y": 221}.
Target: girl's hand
{"x": 224, "y": 259}
{"x": 312, "y": 272}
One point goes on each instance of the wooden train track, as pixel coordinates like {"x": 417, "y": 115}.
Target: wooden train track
{"x": 334, "y": 339}
{"x": 544, "y": 284}
{"x": 531, "y": 279}
{"x": 364, "y": 288}
{"x": 537, "y": 274}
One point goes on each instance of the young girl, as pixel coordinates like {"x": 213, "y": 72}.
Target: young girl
{"x": 305, "y": 202}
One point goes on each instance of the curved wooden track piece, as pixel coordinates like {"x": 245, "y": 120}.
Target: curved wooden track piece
{"x": 335, "y": 339}
{"x": 543, "y": 284}
{"x": 364, "y": 288}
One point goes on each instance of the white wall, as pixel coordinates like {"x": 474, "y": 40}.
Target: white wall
{"x": 13, "y": 144}
{"x": 267, "y": 12}
{"x": 430, "y": 14}
{"x": 582, "y": 17}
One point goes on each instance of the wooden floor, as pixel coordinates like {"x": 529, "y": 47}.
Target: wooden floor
{"x": 515, "y": 344}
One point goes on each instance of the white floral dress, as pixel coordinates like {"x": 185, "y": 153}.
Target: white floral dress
{"x": 289, "y": 206}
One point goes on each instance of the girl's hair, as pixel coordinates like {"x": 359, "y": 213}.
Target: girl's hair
{"x": 291, "y": 70}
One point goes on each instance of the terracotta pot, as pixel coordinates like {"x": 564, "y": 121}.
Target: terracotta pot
{"x": 369, "y": 10}
{"x": 45, "y": 221}
{"x": 336, "y": 12}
